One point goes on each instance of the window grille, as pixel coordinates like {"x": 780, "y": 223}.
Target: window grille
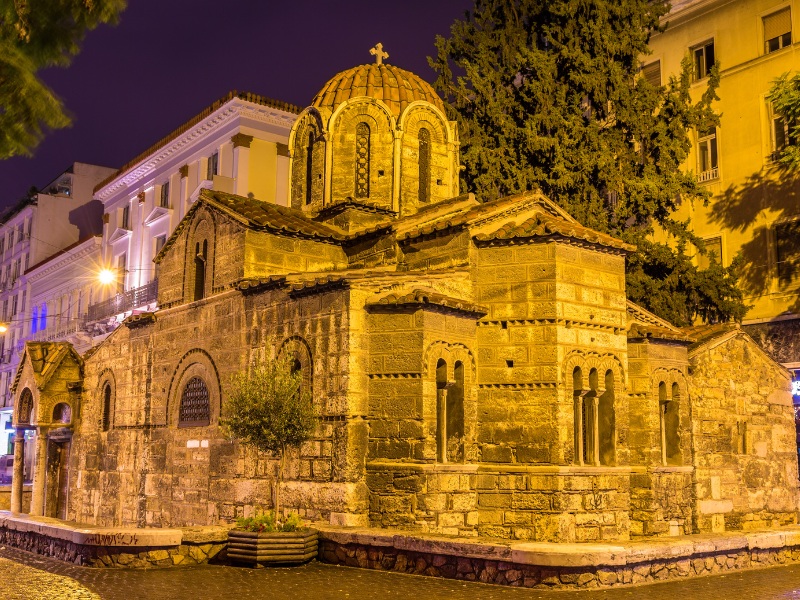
{"x": 309, "y": 167}
{"x": 25, "y": 407}
{"x": 194, "y": 409}
{"x": 424, "y": 137}
{"x": 362, "y": 160}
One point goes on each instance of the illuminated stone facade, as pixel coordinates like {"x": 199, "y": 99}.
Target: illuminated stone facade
{"x": 476, "y": 367}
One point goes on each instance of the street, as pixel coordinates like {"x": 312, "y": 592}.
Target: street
{"x": 28, "y": 576}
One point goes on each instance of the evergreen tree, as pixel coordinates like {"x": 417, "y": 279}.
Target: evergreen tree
{"x": 548, "y": 94}
{"x": 35, "y": 34}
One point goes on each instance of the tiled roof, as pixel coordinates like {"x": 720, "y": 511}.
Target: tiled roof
{"x": 246, "y": 96}
{"x": 318, "y": 284}
{"x": 396, "y": 87}
{"x": 546, "y": 225}
{"x": 703, "y": 334}
{"x": 334, "y": 209}
{"x": 257, "y": 284}
{"x": 45, "y": 358}
{"x": 139, "y": 320}
{"x": 641, "y": 331}
{"x": 420, "y": 296}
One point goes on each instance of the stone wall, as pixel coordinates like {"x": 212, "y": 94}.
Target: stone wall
{"x": 744, "y": 436}
{"x": 566, "y": 504}
{"x": 146, "y": 470}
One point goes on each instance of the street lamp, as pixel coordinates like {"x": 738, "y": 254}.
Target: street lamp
{"x": 107, "y": 276}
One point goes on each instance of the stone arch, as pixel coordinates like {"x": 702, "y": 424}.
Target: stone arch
{"x": 199, "y": 265}
{"x": 441, "y": 179}
{"x": 308, "y": 147}
{"x": 62, "y": 413}
{"x": 298, "y": 349}
{"x": 450, "y": 352}
{"x": 670, "y": 393}
{"x": 106, "y": 399}
{"x": 195, "y": 364}
{"x": 342, "y": 132}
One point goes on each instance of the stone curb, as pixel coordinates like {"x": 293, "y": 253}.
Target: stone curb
{"x": 545, "y": 554}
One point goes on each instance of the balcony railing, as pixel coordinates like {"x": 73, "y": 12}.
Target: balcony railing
{"x": 121, "y": 303}
{"x": 708, "y": 175}
{"x": 56, "y": 331}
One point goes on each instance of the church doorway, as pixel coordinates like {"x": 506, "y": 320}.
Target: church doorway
{"x": 57, "y": 478}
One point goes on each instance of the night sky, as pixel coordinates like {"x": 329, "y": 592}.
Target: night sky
{"x": 167, "y": 59}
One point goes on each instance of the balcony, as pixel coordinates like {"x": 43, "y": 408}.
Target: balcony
{"x": 57, "y": 331}
{"x": 709, "y": 175}
{"x": 121, "y": 303}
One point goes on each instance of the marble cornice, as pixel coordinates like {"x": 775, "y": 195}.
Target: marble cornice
{"x": 236, "y": 108}
{"x": 64, "y": 260}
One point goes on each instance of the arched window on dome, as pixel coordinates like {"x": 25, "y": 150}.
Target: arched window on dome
{"x": 424, "y": 137}
{"x": 309, "y": 167}
{"x": 362, "y": 161}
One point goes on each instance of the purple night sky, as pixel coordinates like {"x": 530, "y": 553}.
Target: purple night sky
{"x": 167, "y": 59}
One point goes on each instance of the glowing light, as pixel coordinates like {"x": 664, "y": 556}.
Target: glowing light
{"x": 796, "y": 388}
{"x": 3, "y": 327}
{"x": 107, "y": 276}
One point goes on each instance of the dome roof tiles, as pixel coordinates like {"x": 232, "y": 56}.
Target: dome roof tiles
{"x": 396, "y": 87}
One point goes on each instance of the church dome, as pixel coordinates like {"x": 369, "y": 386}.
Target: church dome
{"x": 395, "y": 87}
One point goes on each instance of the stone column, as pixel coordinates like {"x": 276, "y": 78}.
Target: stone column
{"x": 241, "y": 163}
{"x": 39, "y": 473}
{"x": 18, "y": 477}
{"x": 595, "y": 437}
{"x": 184, "y": 195}
{"x": 578, "y": 428}
{"x": 441, "y": 421}
{"x": 662, "y": 413}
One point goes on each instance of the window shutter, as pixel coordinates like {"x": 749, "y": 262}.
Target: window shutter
{"x": 776, "y": 24}
{"x": 652, "y": 73}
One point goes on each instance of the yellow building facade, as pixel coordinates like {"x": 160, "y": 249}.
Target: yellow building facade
{"x": 754, "y": 206}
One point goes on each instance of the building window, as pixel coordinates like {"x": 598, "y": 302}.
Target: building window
{"x": 22, "y": 304}
{"x": 25, "y": 407}
{"x": 652, "y": 73}
{"x": 707, "y": 159}
{"x": 5, "y": 310}
{"x": 20, "y": 234}
{"x": 13, "y": 305}
{"x": 787, "y": 254}
{"x": 777, "y": 30}
{"x": 669, "y": 419}
{"x": 160, "y": 241}
{"x": 703, "y": 58}
{"x": 309, "y": 167}
{"x": 34, "y": 319}
{"x": 713, "y": 248}
{"x": 2, "y": 244}
{"x": 43, "y": 317}
{"x": 106, "y": 417}
{"x": 200, "y": 259}
{"x": 195, "y": 407}
{"x": 362, "y": 161}
{"x": 165, "y": 195}
{"x": 126, "y": 217}
{"x": 424, "y": 138}
{"x": 213, "y": 166}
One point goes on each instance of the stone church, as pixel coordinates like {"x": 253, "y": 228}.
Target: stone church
{"x": 476, "y": 367}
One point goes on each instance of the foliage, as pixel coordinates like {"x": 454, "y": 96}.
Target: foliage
{"x": 35, "y": 34}
{"x": 266, "y": 522}
{"x": 270, "y": 409}
{"x": 785, "y": 97}
{"x": 548, "y": 95}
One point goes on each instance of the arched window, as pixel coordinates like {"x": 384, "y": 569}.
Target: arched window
{"x": 309, "y": 167}
{"x": 455, "y": 415}
{"x": 578, "y": 427}
{"x": 424, "y": 138}
{"x": 441, "y": 410}
{"x": 25, "y": 407}
{"x": 43, "y": 317}
{"x": 62, "y": 413}
{"x": 200, "y": 259}
{"x": 195, "y": 409}
{"x": 670, "y": 423}
{"x": 362, "y": 161}
{"x": 106, "y": 419}
{"x": 606, "y": 422}
{"x": 34, "y": 319}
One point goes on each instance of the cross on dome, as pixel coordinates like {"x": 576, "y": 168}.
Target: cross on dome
{"x": 378, "y": 53}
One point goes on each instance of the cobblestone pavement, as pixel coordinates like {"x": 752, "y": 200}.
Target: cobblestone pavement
{"x": 31, "y": 577}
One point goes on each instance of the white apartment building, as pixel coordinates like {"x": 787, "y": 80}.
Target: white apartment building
{"x": 239, "y": 144}
{"x": 57, "y": 217}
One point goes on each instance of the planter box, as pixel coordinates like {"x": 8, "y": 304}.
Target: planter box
{"x": 282, "y": 547}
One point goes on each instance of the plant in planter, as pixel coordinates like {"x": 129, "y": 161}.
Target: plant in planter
{"x": 270, "y": 409}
